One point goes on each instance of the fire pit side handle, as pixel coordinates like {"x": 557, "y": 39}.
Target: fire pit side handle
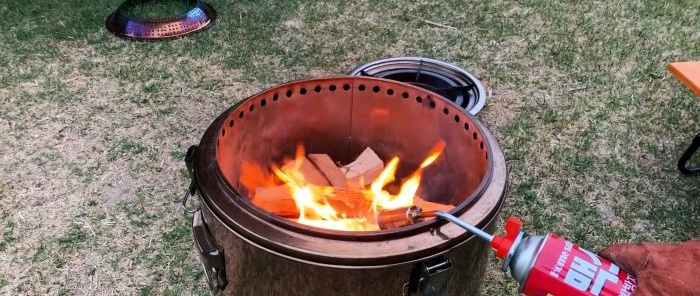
{"x": 211, "y": 256}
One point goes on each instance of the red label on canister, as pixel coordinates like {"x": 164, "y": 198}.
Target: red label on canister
{"x": 564, "y": 269}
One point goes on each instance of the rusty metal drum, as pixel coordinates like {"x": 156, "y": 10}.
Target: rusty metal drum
{"x": 248, "y": 251}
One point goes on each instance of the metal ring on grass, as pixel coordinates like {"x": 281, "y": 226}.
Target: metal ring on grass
{"x": 448, "y": 80}
{"x": 195, "y": 20}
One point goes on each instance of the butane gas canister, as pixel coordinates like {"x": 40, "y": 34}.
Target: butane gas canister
{"x": 549, "y": 265}
{"x": 543, "y": 265}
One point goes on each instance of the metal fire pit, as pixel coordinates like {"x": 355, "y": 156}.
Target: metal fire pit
{"x": 195, "y": 20}
{"x": 248, "y": 251}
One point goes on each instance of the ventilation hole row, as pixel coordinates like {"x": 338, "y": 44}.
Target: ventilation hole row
{"x": 361, "y": 87}
{"x": 377, "y": 89}
{"x": 317, "y": 89}
{"x": 446, "y": 111}
{"x": 276, "y": 96}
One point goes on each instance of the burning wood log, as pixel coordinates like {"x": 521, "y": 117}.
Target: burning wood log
{"x": 333, "y": 173}
{"x": 279, "y": 201}
{"x": 364, "y": 169}
{"x": 311, "y": 174}
{"x": 327, "y": 193}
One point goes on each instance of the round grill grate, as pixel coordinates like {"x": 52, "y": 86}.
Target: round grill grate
{"x": 195, "y": 20}
{"x": 450, "y": 81}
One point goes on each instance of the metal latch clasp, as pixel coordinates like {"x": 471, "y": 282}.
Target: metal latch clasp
{"x": 430, "y": 278}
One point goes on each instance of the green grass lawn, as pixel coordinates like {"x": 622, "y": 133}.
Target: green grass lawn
{"x": 94, "y": 128}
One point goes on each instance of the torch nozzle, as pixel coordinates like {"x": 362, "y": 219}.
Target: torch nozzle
{"x": 391, "y": 219}
{"x": 461, "y": 223}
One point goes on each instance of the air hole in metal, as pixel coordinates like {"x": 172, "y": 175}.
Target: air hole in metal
{"x": 419, "y": 99}
{"x": 361, "y": 87}
{"x": 317, "y": 88}
{"x": 346, "y": 86}
{"x": 432, "y": 104}
{"x": 446, "y": 111}
{"x": 302, "y": 91}
{"x": 457, "y": 118}
{"x": 376, "y": 89}
{"x": 289, "y": 93}
{"x": 390, "y": 92}
{"x": 263, "y": 102}
{"x": 332, "y": 87}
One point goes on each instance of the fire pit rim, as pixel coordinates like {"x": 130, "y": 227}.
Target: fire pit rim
{"x": 217, "y": 182}
{"x": 358, "y": 235}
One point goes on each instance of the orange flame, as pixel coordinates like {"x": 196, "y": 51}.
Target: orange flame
{"x": 316, "y": 210}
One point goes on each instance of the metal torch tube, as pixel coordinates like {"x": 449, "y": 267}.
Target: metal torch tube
{"x": 473, "y": 229}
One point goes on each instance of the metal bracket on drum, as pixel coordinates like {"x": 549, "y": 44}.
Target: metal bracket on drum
{"x": 430, "y": 278}
{"x": 211, "y": 256}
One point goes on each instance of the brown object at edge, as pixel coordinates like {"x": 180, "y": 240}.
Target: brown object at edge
{"x": 660, "y": 268}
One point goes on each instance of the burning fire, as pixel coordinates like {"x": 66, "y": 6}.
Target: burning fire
{"x": 329, "y": 207}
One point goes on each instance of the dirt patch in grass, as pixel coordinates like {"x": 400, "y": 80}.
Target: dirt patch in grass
{"x": 503, "y": 106}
